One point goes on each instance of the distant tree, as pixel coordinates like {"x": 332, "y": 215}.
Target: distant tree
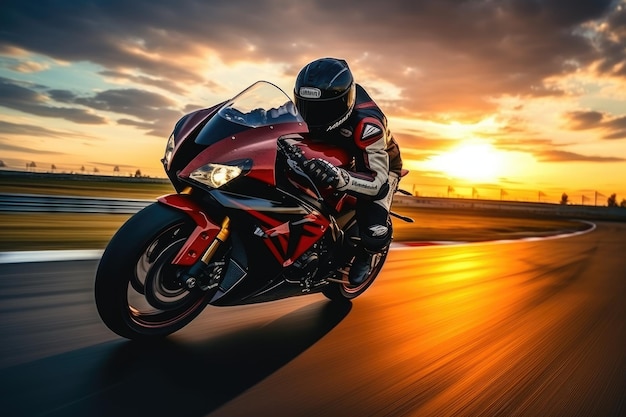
{"x": 2, "y": 164}
{"x": 564, "y": 199}
{"x": 116, "y": 169}
{"x": 53, "y": 167}
{"x": 82, "y": 169}
{"x": 138, "y": 174}
{"x": 623, "y": 203}
{"x": 95, "y": 170}
{"x": 612, "y": 201}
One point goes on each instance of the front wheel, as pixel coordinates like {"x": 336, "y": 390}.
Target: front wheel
{"x": 137, "y": 290}
{"x": 344, "y": 291}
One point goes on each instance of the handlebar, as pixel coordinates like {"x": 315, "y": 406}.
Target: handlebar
{"x": 292, "y": 152}
{"x": 295, "y": 161}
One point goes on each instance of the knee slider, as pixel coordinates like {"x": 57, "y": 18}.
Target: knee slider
{"x": 376, "y": 237}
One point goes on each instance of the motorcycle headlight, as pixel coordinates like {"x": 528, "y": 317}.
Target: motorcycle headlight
{"x": 169, "y": 151}
{"x": 215, "y": 175}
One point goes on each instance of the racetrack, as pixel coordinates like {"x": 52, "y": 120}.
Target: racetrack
{"x": 526, "y": 328}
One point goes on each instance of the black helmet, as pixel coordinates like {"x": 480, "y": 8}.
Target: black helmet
{"x": 325, "y": 93}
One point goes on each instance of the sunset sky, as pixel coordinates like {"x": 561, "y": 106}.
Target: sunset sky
{"x": 517, "y": 98}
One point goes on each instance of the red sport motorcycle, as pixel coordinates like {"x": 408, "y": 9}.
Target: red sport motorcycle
{"x": 247, "y": 225}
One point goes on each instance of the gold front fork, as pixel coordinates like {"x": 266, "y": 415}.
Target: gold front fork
{"x": 222, "y": 235}
{"x": 198, "y": 271}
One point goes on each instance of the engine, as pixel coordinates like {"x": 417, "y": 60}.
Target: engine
{"x": 304, "y": 269}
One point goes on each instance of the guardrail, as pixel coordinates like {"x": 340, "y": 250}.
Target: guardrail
{"x": 69, "y": 204}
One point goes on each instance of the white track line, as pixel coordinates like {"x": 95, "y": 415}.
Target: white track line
{"x": 413, "y": 245}
{"x": 49, "y": 256}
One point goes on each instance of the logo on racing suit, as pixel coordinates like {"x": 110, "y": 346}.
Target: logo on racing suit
{"x": 370, "y": 130}
{"x": 339, "y": 122}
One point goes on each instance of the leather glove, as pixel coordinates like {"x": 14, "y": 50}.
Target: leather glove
{"x": 325, "y": 174}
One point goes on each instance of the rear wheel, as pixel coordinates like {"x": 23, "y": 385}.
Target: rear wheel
{"x": 345, "y": 291}
{"x": 137, "y": 289}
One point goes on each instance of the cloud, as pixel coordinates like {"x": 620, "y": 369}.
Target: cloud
{"x": 445, "y": 55}
{"x": 430, "y": 61}
{"x": 151, "y": 108}
{"x": 525, "y": 144}
{"x": 161, "y": 83}
{"x": 616, "y": 123}
{"x": 546, "y": 150}
{"x": 19, "y": 97}
{"x": 565, "y": 156}
{"x": 584, "y": 120}
{"x": 620, "y": 134}
{"x": 581, "y": 120}
{"x": 142, "y": 104}
{"x": 28, "y": 130}
{"x": 6, "y": 145}
{"x": 422, "y": 142}
{"x": 29, "y": 66}
{"x": 161, "y": 127}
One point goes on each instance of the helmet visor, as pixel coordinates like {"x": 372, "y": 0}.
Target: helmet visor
{"x": 323, "y": 113}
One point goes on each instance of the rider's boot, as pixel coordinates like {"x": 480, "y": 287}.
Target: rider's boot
{"x": 361, "y": 267}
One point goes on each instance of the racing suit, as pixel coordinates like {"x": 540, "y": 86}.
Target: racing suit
{"x": 376, "y": 171}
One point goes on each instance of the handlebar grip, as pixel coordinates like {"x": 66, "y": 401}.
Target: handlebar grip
{"x": 293, "y": 152}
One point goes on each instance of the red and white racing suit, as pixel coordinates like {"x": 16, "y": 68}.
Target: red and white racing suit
{"x": 377, "y": 165}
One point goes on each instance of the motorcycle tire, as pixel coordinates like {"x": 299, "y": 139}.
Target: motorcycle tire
{"x": 138, "y": 295}
{"x": 344, "y": 291}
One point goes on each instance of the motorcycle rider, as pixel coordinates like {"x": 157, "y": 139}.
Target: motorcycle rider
{"x": 340, "y": 112}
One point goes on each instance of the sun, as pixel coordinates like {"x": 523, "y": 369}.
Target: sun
{"x": 472, "y": 161}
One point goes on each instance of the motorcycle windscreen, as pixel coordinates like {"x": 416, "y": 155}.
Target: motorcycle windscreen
{"x": 217, "y": 129}
{"x": 261, "y": 105}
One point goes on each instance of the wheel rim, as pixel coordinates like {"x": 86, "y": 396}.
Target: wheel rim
{"x": 155, "y": 298}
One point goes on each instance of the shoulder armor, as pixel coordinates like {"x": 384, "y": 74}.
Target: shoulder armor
{"x": 367, "y": 131}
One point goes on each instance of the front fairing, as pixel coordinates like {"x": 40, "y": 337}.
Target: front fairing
{"x": 256, "y": 149}
{"x": 191, "y": 121}
{"x": 244, "y": 132}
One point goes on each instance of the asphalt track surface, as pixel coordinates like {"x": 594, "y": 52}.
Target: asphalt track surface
{"x": 526, "y": 328}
